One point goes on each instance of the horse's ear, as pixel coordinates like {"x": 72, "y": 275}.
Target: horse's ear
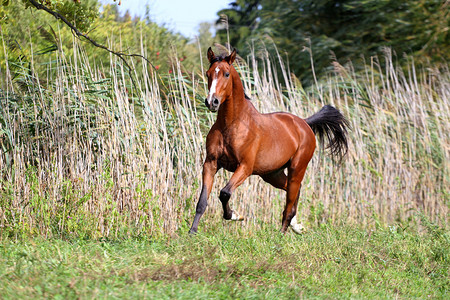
{"x": 230, "y": 58}
{"x": 211, "y": 55}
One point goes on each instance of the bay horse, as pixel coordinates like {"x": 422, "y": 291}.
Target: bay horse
{"x": 246, "y": 142}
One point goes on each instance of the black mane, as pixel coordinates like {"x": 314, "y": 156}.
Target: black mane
{"x": 216, "y": 59}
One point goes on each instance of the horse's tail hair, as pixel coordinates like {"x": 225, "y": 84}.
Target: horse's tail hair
{"x": 330, "y": 123}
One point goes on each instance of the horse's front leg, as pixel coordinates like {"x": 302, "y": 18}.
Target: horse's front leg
{"x": 241, "y": 173}
{"x": 209, "y": 170}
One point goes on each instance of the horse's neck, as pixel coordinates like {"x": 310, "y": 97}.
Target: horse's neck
{"x": 236, "y": 108}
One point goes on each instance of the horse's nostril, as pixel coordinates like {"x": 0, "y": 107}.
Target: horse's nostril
{"x": 206, "y": 101}
{"x": 216, "y": 101}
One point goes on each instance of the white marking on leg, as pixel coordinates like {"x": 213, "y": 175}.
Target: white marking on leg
{"x": 236, "y": 217}
{"x": 298, "y": 228}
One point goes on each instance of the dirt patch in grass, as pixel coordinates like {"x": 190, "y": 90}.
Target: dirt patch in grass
{"x": 209, "y": 271}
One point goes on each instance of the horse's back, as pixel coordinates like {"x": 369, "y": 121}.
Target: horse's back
{"x": 282, "y": 136}
{"x": 290, "y": 124}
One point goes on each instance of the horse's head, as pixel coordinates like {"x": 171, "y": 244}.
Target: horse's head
{"x": 219, "y": 79}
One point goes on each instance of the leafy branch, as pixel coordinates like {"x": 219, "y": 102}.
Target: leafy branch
{"x": 76, "y": 32}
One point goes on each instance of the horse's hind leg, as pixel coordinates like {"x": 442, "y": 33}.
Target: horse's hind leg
{"x": 280, "y": 181}
{"x": 295, "y": 178}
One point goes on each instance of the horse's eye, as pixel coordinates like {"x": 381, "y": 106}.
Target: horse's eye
{"x": 227, "y": 74}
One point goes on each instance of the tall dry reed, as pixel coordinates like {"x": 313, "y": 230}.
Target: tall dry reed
{"x": 81, "y": 157}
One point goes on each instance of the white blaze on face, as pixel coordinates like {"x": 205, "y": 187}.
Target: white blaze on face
{"x": 212, "y": 90}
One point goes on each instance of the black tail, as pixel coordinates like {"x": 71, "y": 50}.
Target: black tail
{"x": 330, "y": 123}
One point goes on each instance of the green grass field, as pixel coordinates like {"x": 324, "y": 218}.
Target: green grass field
{"x": 231, "y": 261}
{"x": 99, "y": 183}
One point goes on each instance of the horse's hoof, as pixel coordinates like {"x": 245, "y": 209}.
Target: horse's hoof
{"x": 298, "y": 228}
{"x": 236, "y": 217}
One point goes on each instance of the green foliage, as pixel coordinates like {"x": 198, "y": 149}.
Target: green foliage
{"x": 31, "y": 34}
{"x": 241, "y": 19}
{"x": 343, "y": 30}
{"x": 79, "y": 13}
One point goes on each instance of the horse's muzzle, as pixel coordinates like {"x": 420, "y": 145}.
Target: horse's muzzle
{"x": 214, "y": 105}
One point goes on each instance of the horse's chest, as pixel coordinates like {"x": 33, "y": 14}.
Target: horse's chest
{"x": 232, "y": 147}
{"x": 228, "y": 159}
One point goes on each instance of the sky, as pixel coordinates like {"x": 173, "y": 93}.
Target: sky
{"x": 181, "y": 16}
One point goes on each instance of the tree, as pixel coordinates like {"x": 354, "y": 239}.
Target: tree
{"x": 80, "y": 13}
{"x": 78, "y": 16}
{"x": 240, "y": 20}
{"x": 345, "y": 29}
{"x": 34, "y": 35}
